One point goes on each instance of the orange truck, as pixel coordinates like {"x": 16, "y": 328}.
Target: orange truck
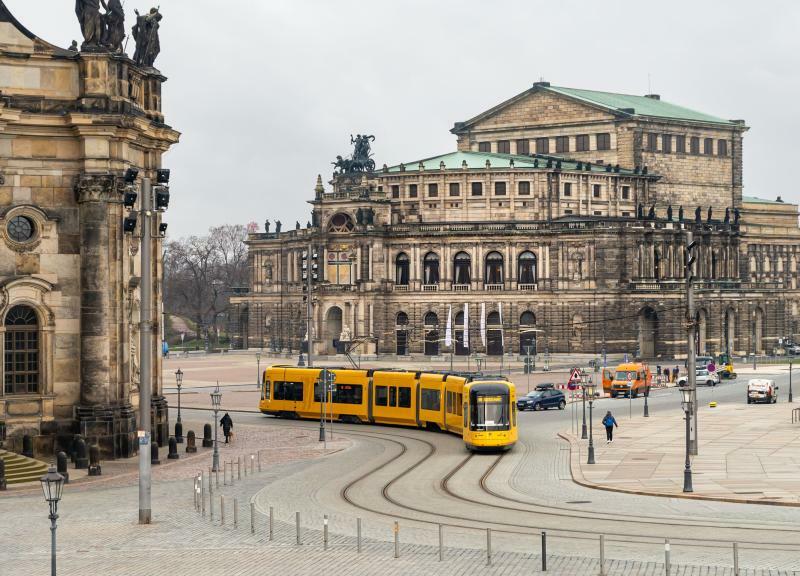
{"x": 629, "y": 379}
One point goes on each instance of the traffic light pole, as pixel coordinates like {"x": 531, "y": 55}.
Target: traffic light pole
{"x": 691, "y": 362}
{"x": 309, "y": 301}
{"x": 145, "y": 345}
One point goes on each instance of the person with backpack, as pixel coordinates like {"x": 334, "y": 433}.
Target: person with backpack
{"x": 609, "y": 422}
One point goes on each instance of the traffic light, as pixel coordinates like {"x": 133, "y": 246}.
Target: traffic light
{"x": 129, "y": 197}
{"x": 162, "y": 198}
{"x": 691, "y": 258}
{"x": 129, "y": 223}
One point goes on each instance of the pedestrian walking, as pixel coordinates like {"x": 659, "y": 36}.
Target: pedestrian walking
{"x": 227, "y": 424}
{"x": 675, "y": 372}
{"x": 609, "y": 422}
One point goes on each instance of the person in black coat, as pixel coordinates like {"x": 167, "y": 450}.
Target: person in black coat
{"x": 227, "y": 424}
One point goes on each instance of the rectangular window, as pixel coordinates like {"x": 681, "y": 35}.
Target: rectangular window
{"x": 543, "y": 145}
{"x": 596, "y": 190}
{"x": 403, "y": 397}
{"x": 265, "y": 392}
{"x": 449, "y": 402}
{"x": 567, "y": 189}
{"x": 680, "y": 144}
{"x": 666, "y": 143}
{"x": 567, "y": 211}
{"x": 455, "y": 189}
{"x": 395, "y": 191}
{"x": 292, "y": 391}
{"x": 722, "y": 147}
{"x": 694, "y": 145}
{"x": 433, "y": 190}
{"x": 412, "y": 190}
{"x": 392, "y": 396}
{"x": 708, "y": 146}
{"x": 499, "y": 188}
{"x": 381, "y": 395}
{"x": 582, "y": 143}
{"x": 504, "y": 147}
{"x": 523, "y": 147}
{"x": 524, "y": 188}
{"x": 626, "y": 192}
{"x": 652, "y": 142}
{"x": 604, "y": 141}
{"x": 562, "y": 144}
{"x": 477, "y": 188}
{"x": 348, "y": 394}
{"x": 484, "y": 146}
{"x": 430, "y": 399}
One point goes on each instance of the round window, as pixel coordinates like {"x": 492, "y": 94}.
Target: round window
{"x": 21, "y": 229}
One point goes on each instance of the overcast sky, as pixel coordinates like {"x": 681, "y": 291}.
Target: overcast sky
{"x": 267, "y": 92}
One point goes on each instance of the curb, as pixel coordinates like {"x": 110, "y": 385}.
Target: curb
{"x": 577, "y": 476}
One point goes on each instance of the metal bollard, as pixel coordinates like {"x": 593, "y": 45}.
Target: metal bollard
{"x": 217, "y": 474}
{"x": 235, "y": 512}
{"x": 211, "y": 507}
{"x": 252, "y": 517}
{"x": 271, "y": 516}
{"x": 544, "y": 551}
{"x": 358, "y": 535}
{"x": 252, "y": 464}
{"x": 667, "y": 566}
{"x": 238, "y": 468}
{"x": 224, "y": 473}
{"x": 297, "y": 526}
{"x": 203, "y": 497}
{"x": 259, "y": 460}
{"x": 325, "y": 531}
{"x": 222, "y": 510}
{"x": 441, "y": 543}
{"x": 602, "y": 555}
{"x": 488, "y": 546}
{"x": 210, "y": 487}
{"x": 735, "y": 559}
{"x": 397, "y": 540}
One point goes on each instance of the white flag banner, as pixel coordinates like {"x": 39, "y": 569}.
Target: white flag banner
{"x": 502, "y": 335}
{"x": 448, "y": 331}
{"x": 466, "y": 326}
{"x": 483, "y": 324}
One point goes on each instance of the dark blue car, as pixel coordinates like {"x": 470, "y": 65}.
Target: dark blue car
{"x": 542, "y": 400}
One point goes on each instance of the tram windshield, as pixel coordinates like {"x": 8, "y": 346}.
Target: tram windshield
{"x": 489, "y": 413}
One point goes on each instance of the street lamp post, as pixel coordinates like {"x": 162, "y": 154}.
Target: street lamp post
{"x": 258, "y": 369}
{"x": 52, "y": 486}
{"x": 686, "y": 404}
{"x": 646, "y": 396}
{"x": 179, "y": 383}
{"x": 790, "y": 381}
{"x": 589, "y": 390}
{"x": 216, "y": 399}
{"x": 583, "y": 426}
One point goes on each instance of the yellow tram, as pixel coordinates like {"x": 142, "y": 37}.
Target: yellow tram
{"x": 482, "y": 412}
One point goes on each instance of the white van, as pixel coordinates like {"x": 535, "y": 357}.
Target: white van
{"x": 762, "y": 390}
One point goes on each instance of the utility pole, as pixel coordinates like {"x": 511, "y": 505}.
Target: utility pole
{"x": 309, "y": 301}
{"x": 146, "y": 370}
{"x": 691, "y": 321}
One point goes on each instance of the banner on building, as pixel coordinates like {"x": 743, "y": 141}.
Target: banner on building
{"x": 483, "y": 324}
{"x": 448, "y": 331}
{"x": 466, "y": 326}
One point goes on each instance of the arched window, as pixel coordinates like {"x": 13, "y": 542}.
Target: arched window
{"x": 656, "y": 264}
{"x": 341, "y": 223}
{"x": 527, "y": 318}
{"x": 402, "y": 319}
{"x": 493, "y": 320}
{"x": 21, "y": 351}
{"x": 402, "y": 334}
{"x": 401, "y": 269}
{"x": 431, "y": 268}
{"x": 462, "y": 266}
{"x": 494, "y": 268}
{"x": 527, "y": 334}
{"x": 431, "y": 320}
{"x": 527, "y": 268}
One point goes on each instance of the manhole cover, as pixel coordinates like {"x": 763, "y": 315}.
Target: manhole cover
{"x": 579, "y": 502}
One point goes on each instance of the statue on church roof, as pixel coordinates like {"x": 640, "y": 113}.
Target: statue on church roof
{"x": 88, "y": 13}
{"x": 145, "y": 33}
{"x": 361, "y": 159}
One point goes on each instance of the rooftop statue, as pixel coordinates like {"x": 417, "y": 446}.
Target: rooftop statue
{"x": 361, "y": 160}
{"x": 101, "y": 31}
{"x": 113, "y": 25}
{"x": 145, "y": 33}
{"x": 88, "y": 13}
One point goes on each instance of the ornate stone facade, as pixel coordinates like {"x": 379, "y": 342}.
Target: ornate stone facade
{"x": 71, "y": 123}
{"x": 577, "y": 248}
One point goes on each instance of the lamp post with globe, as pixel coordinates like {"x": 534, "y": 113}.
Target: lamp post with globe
{"x": 216, "y": 400}
{"x": 52, "y": 487}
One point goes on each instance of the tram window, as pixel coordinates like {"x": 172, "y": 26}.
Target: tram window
{"x": 288, "y": 391}
{"x": 514, "y": 413}
{"x": 490, "y": 413}
{"x": 392, "y": 396}
{"x": 404, "y": 397}
{"x": 381, "y": 395}
{"x": 348, "y": 394}
{"x": 460, "y": 399}
{"x": 449, "y": 402}
{"x": 465, "y": 411}
{"x": 265, "y": 391}
{"x": 430, "y": 399}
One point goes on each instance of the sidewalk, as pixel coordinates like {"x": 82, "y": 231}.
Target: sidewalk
{"x": 747, "y": 453}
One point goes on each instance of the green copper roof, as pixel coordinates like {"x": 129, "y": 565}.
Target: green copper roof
{"x": 477, "y": 161}
{"x": 757, "y": 200}
{"x": 641, "y": 105}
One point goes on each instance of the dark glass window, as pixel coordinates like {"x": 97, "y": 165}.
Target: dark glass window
{"x": 722, "y": 147}
{"x": 504, "y": 147}
{"x": 477, "y": 188}
{"x": 484, "y": 146}
{"x": 494, "y": 268}
{"x": 708, "y": 146}
{"x": 694, "y": 145}
{"x": 403, "y": 397}
{"x": 595, "y": 190}
{"x": 652, "y": 142}
{"x": 462, "y": 266}
{"x": 523, "y": 147}
{"x": 666, "y": 143}
{"x": 292, "y": 391}
{"x": 604, "y": 141}
{"x": 543, "y": 145}
{"x": 527, "y": 268}
{"x": 524, "y": 188}
{"x": 392, "y": 396}
{"x": 582, "y": 143}
{"x": 567, "y": 189}
{"x": 626, "y": 192}
{"x": 430, "y": 399}
{"x": 455, "y": 189}
{"x": 412, "y": 190}
{"x": 499, "y": 188}
{"x": 348, "y": 394}
{"x": 562, "y": 144}
{"x": 433, "y": 190}
{"x": 21, "y": 351}
{"x": 20, "y": 229}
{"x": 431, "y": 268}
{"x": 680, "y": 144}
{"x": 381, "y": 396}
{"x": 395, "y": 191}
{"x": 401, "y": 269}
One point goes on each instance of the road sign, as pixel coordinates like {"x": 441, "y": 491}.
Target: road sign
{"x": 711, "y": 367}
{"x": 574, "y": 379}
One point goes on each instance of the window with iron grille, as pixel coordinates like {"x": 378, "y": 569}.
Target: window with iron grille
{"x": 433, "y": 190}
{"x": 477, "y": 188}
{"x": 455, "y": 189}
{"x": 680, "y": 144}
{"x": 708, "y": 146}
{"x": 694, "y": 145}
{"x": 21, "y": 360}
{"x": 582, "y": 143}
{"x": 722, "y": 147}
{"x": 524, "y": 188}
{"x": 499, "y": 188}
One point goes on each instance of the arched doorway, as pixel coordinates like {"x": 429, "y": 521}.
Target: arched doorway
{"x": 527, "y": 334}
{"x": 333, "y": 329}
{"x": 21, "y": 351}
{"x": 431, "y": 329}
{"x": 458, "y": 328}
{"x": 648, "y": 332}
{"x": 729, "y": 331}
{"x": 494, "y": 335}
{"x": 401, "y": 332}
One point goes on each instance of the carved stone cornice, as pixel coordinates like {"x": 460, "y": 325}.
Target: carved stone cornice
{"x": 95, "y": 188}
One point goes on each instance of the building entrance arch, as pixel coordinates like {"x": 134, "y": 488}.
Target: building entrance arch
{"x": 648, "y": 332}
{"x": 333, "y": 329}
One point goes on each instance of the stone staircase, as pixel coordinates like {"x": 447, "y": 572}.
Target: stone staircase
{"x": 20, "y": 469}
